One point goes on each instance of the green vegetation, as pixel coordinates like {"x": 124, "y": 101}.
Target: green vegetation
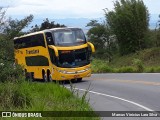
{"x": 28, "y": 96}
{"x": 100, "y": 66}
{"x": 46, "y": 25}
{"x": 102, "y": 38}
{"x": 149, "y": 57}
{"x": 143, "y": 61}
{"x": 124, "y": 31}
{"x": 123, "y": 41}
{"x": 129, "y": 22}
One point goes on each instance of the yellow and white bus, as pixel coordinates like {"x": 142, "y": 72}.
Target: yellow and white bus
{"x": 54, "y": 54}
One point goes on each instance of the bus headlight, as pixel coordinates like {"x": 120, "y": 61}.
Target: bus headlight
{"x": 88, "y": 68}
{"x": 62, "y": 71}
{"x": 74, "y": 72}
{"x": 66, "y": 72}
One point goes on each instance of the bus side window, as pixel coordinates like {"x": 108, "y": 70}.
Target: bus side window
{"x": 49, "y": 38}
{"x": 37, "y": 40}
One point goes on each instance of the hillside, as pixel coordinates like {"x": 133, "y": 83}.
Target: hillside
{"x": 149, "y": 57}
{"x": 147, "y": 60}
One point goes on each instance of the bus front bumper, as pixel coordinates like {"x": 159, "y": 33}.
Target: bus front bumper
{"x": 73, "y": 73}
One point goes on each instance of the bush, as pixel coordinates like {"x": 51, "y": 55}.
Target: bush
{"x": 139, "y": 65}
{"x": 13, "y": 95}
{"x": 100, "y": 66}
{"x": 27, "y": 96}
{"x": 153, "y": 70}
{"x": 157, "y": 69}
{"x": 9, "y": 71}
{"x": 106, "y": 69}
{"x": 127, "y": 69}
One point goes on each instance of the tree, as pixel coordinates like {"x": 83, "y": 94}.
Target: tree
{"x": 157, "y": 31}
{"x": 2, "y": 19}
{"x": 129, "y": 22}
{"x": 104, "y": 42}
{"x": 9, "y": 29}
{"x": 15, "y": 27}
{"x": 46, "y": 25}
{"x": 12, "y": 28}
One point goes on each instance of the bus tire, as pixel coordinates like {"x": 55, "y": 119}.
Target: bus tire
{"x": 79, "y": 79}
{"x": 49, "y": 76}
{"x": 44, "y": 77}
{"x": 26, "y": 74}
{"x": 32, "y": 77}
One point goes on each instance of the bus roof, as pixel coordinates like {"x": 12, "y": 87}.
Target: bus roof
{"x": 46, "y": 30}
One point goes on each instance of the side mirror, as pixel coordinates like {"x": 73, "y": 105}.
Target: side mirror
{"x": 92, "y": 46}
{"x": 55, "y": 50}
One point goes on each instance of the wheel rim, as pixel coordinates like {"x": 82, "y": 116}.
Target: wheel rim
{"x": 50, "y": 78}
{"x": 45, "y": 78}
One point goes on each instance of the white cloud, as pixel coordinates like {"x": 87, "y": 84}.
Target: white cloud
{"x": 66, "y": 8}
{"x": 59, "y": 8}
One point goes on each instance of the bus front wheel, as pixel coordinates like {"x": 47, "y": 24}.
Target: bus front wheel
{"x": 79, "y": 79}
{"x": 49, "y": 77}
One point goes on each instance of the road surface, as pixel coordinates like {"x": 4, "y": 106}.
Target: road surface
{"x": 123, "y": 92}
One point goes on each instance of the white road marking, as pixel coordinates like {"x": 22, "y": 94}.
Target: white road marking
{"x": 122, "y": 99}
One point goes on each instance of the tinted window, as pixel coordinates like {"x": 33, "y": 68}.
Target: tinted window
{"x": 73, "y": 58}
{"x": 30, "y": 41}
{"x": 37, "y": 61}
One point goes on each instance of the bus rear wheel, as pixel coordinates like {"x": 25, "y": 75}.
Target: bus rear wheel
{"x": 29, "y": 76}
{"x": 32, "y": 76}
{"x": 49, "y": 77}
{"x": 44, "y": 77}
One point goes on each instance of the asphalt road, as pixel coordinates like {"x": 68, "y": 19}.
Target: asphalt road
{"x": 123, "y": 92}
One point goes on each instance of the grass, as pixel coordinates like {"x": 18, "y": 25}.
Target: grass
{"x": 36, "y": 96}
{"x": 149, "y": 57}
{"x": 143, "y": 61}
{"x": 100, "y": 66}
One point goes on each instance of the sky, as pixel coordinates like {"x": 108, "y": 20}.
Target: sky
{"x": 63, "y": 10}
{"x": 59, "y": 9}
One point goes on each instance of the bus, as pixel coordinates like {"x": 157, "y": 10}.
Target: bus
{"x": 54, "y": 54}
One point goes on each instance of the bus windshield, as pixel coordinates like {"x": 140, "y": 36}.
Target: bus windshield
{"x": 69, "y": 37}
{"x": 73, "y": 58}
